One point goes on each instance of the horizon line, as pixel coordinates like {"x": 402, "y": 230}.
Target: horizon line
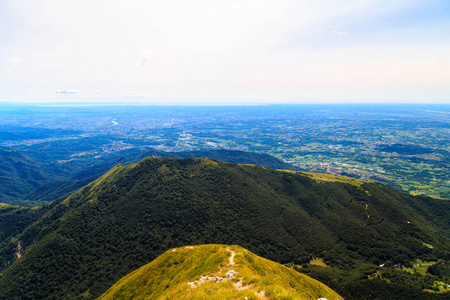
{"x": 88, "y": 103}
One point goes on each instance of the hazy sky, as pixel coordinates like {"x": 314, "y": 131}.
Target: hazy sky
{"x": 207, "y": 51}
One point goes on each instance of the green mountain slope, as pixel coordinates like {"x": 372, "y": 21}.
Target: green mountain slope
{"x": 19, "y": 175}
{"x": 14, "y": 219}
{"x": 231, "y": 156}
{"x": 134, "y": 213}
{"x": 216, "y": 272}
{"x": 50, "y": 189}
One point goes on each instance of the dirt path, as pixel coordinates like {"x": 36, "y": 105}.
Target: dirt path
{"x": 231, "y": 259}
{"x": 229, "y": 276}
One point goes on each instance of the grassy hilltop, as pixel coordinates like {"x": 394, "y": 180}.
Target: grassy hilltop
{"x": 216, "y": 272}
{"x": 134, "y": 213}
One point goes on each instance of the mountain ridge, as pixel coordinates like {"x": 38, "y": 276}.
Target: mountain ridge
{"x": 22, "y": 188}
{"x": 134, "y": 213}
{"x": 216, "y": 272}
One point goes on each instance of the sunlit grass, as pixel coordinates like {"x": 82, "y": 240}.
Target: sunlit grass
{"x": 178, "y": 273}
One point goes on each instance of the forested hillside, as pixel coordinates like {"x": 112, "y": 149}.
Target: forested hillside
{"x": 27, "y": 182}
{"x": 14, "y": 219}
{"x": 134, "y": 213}
{"x": 19, "y": 174}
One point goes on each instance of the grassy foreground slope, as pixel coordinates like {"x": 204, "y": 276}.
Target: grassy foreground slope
{"x": 134, "y": 213}
{"x": 216, "y": 272}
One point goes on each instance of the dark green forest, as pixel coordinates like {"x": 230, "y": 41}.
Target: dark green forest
{"x": 24, "y": 181}
{"x": 132, "y": 214}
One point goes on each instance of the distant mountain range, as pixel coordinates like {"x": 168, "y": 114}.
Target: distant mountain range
{"x": 132, "y": 214}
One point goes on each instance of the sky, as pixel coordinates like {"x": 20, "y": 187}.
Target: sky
{"x": 225, "y": 52}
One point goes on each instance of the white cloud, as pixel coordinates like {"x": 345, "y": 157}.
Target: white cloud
{"x": 14, "y": 61}
{"x": 338, "y": 32}
{"x": 145, "y": 55}
{"x": 67, "y": 91}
